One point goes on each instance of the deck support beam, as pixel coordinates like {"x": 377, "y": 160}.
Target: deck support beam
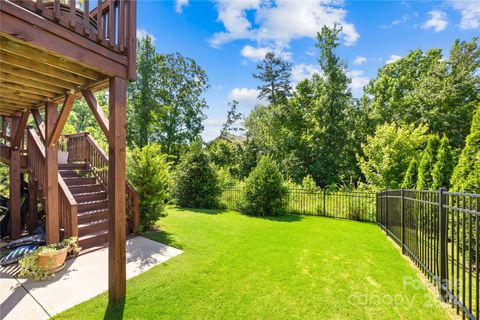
{"x": 61, "y": 120}
{"x": 96, "y": 110}
{"x": 37, "y": 117}
{"x": 51, "y": 176}
{"x": 32, "y": 203}
{"x": 116, "y": 190}
{"x": 15, "y": 185}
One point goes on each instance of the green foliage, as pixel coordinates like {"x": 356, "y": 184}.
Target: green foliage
{"x": 427, "y": 162}
{"x": 29, "y": 262}
{"x": 148, "y": 170}
{"x": 388, "y": 152}
{"x": 274, "y": 74}
{"x": 264, "y": 193}
{"x": 4, "y": 180}
{"x": 226, "y": 154}
{"x": 411, "y": 176}
{"x": 196, "y": 181}
{"x": 465, "y": 176}
{"x": 425, "y": 88}
{"x": 443, "y": 168}
{"x": 165, "y": 103}
{"x": 309, "y": 184}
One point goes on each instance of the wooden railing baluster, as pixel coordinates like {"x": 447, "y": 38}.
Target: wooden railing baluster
{"x": 86, "y": 17}
{"x": 73, "y": 14}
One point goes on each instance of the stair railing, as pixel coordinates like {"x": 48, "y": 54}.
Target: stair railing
{"x": 67, "y": 205}
{"x": 82, "y": 147}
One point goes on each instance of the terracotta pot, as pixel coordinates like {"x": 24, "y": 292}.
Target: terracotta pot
{"x": 51, "y": 262}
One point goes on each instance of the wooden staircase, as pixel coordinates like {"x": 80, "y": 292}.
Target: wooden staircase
{"x": 92, "y": 204}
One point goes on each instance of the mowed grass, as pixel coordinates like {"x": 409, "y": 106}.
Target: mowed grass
{"x": 292, "y": 267}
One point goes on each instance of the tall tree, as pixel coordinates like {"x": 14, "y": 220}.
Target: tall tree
{"x": 425, "y": 168}
{"x": 465, "y": 175}
{"x": 274, "y": 74}
{"x": 326, "y": 118}
{"x": 141, "y": 94}
{"x": 443, "y": 169}
{"x": 425, "y": 88}
{"x": 232, "y": 117}
{"x": 180, "y": 85}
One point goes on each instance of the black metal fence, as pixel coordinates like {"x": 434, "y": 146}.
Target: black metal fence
{"x": 353, "y": 205}
{"x": 439, "y": 231}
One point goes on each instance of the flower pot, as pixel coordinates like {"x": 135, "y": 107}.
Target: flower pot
{"x": 51, "y": 262}
{"x": 62, "y": 157}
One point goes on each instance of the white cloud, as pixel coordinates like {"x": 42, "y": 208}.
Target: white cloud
{"x": 179, "y": 4}
{"x": 359, "y": 60}
{"x": 277, "y": 22}
{"x": 259, "y": 53}
{"x": 470, "y": 12}
{"x": 246, "y": 97}
{"x": 142, "y": 33}
{"x": 358, "y": 80}
{"x": 438, "y": 21}
{"x": 395, "y": 22}
{"x": 304, "y": 71}
{"x": 393, "y": 58}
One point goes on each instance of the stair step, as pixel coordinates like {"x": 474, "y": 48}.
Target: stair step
{"x": 75, "y": 173}
{"x": 85, "y": 229}
{"x": 85, "y": 188}
{"x": 90, "y": 196}
{"x": 80, "y": 181}
{"x": 92, "y": 215}
{"x": 98, "y": 238}
{"x": 72, "y": 166}
{"x": 92, "y": 205}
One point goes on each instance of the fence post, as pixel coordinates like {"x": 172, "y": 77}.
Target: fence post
{"x": 443, "y": 256}
{"x": 402, "y": 208}
{"x": 324, "y": 202}
{"x": 386, "y": 212}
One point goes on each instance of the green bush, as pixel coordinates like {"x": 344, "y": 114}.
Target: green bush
{"x": 465, "y": 175}
{"x": 308, "y": 184}
{"x": 425, "y": 168}
{"x": 196, "y": 181}
{"x": 264, "y": 193}
{"x": 148, "y": 170}
{"x": 443, "y": 169}
{"x": 410, "y": 180}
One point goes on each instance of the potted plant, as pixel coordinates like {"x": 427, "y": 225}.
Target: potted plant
{"x": 46, "y": 260}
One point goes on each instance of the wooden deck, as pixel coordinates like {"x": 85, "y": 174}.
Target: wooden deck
{"x": 51, "y": 53}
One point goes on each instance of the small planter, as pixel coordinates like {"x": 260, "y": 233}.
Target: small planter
{"x": 52, "y": 262}
{"x": 43, "y": 262}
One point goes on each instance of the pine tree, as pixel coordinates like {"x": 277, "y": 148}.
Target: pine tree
{"x": 464, "y": 176}
{"x": 443, "y": 168}
{"x": 410, "y": 180}
{"x": 425, "y": 168}
{"x": 274, "y": 74}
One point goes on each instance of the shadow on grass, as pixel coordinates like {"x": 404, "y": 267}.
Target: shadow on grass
{"x": 283, "y": 218}
{"x": 162, "y": 236}
{"x": 207, "y": 211}
{"x": 114, "y": 311}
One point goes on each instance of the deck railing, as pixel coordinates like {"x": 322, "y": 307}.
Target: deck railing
{"x": 439, "y": 231}
{"x": 82, "y": 147}
{"x": 67, "y": 205}
{"x": 114, "y": 26}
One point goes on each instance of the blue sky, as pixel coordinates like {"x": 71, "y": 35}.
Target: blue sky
{"x": 227, "y": 38}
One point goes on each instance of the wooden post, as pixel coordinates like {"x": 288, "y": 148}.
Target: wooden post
{"x": 116, "y": 190}
{"x": 51, "y": 176}
{"x": 443, "y": 238}
{"x": 32, "y": 203}
{"x": 15, "y": 215}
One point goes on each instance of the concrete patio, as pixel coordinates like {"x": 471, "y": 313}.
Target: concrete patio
{"x": 82, "y": 278}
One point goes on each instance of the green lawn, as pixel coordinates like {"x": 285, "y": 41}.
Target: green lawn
{"x": 292, "y": 267}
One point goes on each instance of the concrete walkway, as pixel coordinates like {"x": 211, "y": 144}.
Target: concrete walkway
{"x": 82, "y": 278}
